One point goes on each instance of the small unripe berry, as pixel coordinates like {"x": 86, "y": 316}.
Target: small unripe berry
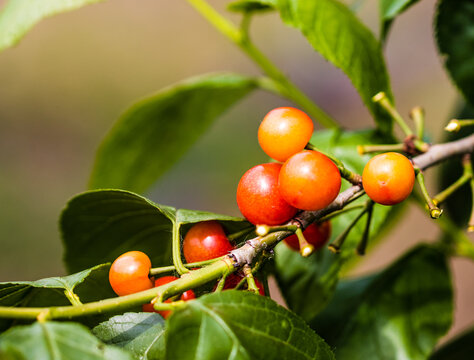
{"x": 309, "y": 180}
{"x": 284, "y": 131}
{"x": 259, "y": 199}
{"x": 388, "y": 178}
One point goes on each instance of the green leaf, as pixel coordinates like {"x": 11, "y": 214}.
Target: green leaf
{"x": 317, "y": 275}
{"x": 455, "y": 36}
{"x": 240, "y": 325}
{"x": 389, "y": 10}
{"x": 52, "y": 340}
{"x": 460, "y": 348}
{"x": 155, "y": 132}
{"x": 399, "y": 314}
{"x": 19, "y": 16}
{"x": 142, "y": 334}
{"x": 101, "y": 225}
{"x": 250, "y": 6}
{"x": 88, "y": 285}
{"x": 340, "y": 37}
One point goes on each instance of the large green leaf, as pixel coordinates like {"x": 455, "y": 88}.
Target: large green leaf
{"x": 155, "y": 132}
{"x": 389, "y": 10}
{"x": 399, "y": 314}
{"x": 52, "y": 340}
{"x": 85, "y": 286}
{"x": 460, "y": 348}
{"x": 317, "y": 275}
{"x": 339, "y": 36}
{"x": 19, "y": 16}
{"x": 142, "y": 334}
{"x": 240, "y": 325}
{"x": 455, "y": 36}
{"x": 100, "y": 225}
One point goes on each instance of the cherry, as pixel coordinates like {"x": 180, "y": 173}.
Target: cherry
{"x": 388, "y": 178}
{"x": 204, "y": 241}
{"x": 129, "y": 273}
{"x": 309, "y": 180}
{"x": 187, "y": 295}
{"x": 259, "y": 198}
{"x": 315, "y": 234}
{"x": 284, "y": 131}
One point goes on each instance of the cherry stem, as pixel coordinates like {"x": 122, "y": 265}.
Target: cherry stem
{"x": 336, "y": 245}
{"x": 365, "y": 149}
{"x": 350, "y": 176}
{"x": 221, "y": 283}
{"x": 466, "y": 177}
{"x": 340, "y": 212}
{"x": 361, "y": 247}
{"x": 417, "y": 114}
{"x": 455, "y": 125}
{"x": 251, "y": 285}
{"x": 240, "y": 233}
{"x": 435, "y": 212}
{"x": 176, "y": 248}
{"x": 167, "y": 269}
{"x": 306, "y": 249}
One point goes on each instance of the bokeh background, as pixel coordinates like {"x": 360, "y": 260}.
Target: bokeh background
{"x": 71, "y": 77}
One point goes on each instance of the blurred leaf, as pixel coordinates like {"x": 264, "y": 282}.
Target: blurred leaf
{"x": 142, "y": 334}
{"x": 455, "y": 36}
{"x": 399, "y": 314}
{"x": 18, "y": 16}
{"x": 248, "y": 6}
{"x": 101, "y": 225}
{"x": 340, "y": 37}
{"x": 460, "y": 348}
{"x": 317, "y": 275}
{"x": 52, "y": 340}
{"x": 389, "y": 10}
{"x": 155, "y": 132}
{"x": 89, "y": 285}
{"x": 240, "y": 325}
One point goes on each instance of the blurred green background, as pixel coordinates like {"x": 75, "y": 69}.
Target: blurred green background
{"x": 68, "y": 80}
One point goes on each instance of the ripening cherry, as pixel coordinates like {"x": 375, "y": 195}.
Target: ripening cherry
{"x": 204, "y": 241}
{"x": 388, "y": 178}
{"x": 284, "y": 131}
{"x": 315, "y": 234}
{"x": 187, "y": 295}
{"x": 259, "y": 198}
{"x": 309, "y": 180}
{"x": 129, "y": 273}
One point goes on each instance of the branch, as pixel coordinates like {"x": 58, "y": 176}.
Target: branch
{"x": 235, "y": 260}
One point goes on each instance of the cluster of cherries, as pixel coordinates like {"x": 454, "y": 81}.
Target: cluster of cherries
{"x": 271, "y": 194}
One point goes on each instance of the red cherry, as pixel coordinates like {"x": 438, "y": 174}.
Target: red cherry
{"x": 128, "y": 274}
{"x": 259, "y": 199}
{"x": 187, "y": 295}
{"x": 204, "y": 241}
{"x": 315, "y": 234}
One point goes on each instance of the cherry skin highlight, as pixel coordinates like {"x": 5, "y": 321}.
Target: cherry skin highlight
{"x": 187, "y": 295}
{"x": 129, "y": 273}
{"x": 388, "y": 178}
{"x": 315, "y": 234}
{"x": 204, "y": 241}
{"x": 309, "y": 180}
{"x": 259, "y": 198}
{"x": 284, "y": 131}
